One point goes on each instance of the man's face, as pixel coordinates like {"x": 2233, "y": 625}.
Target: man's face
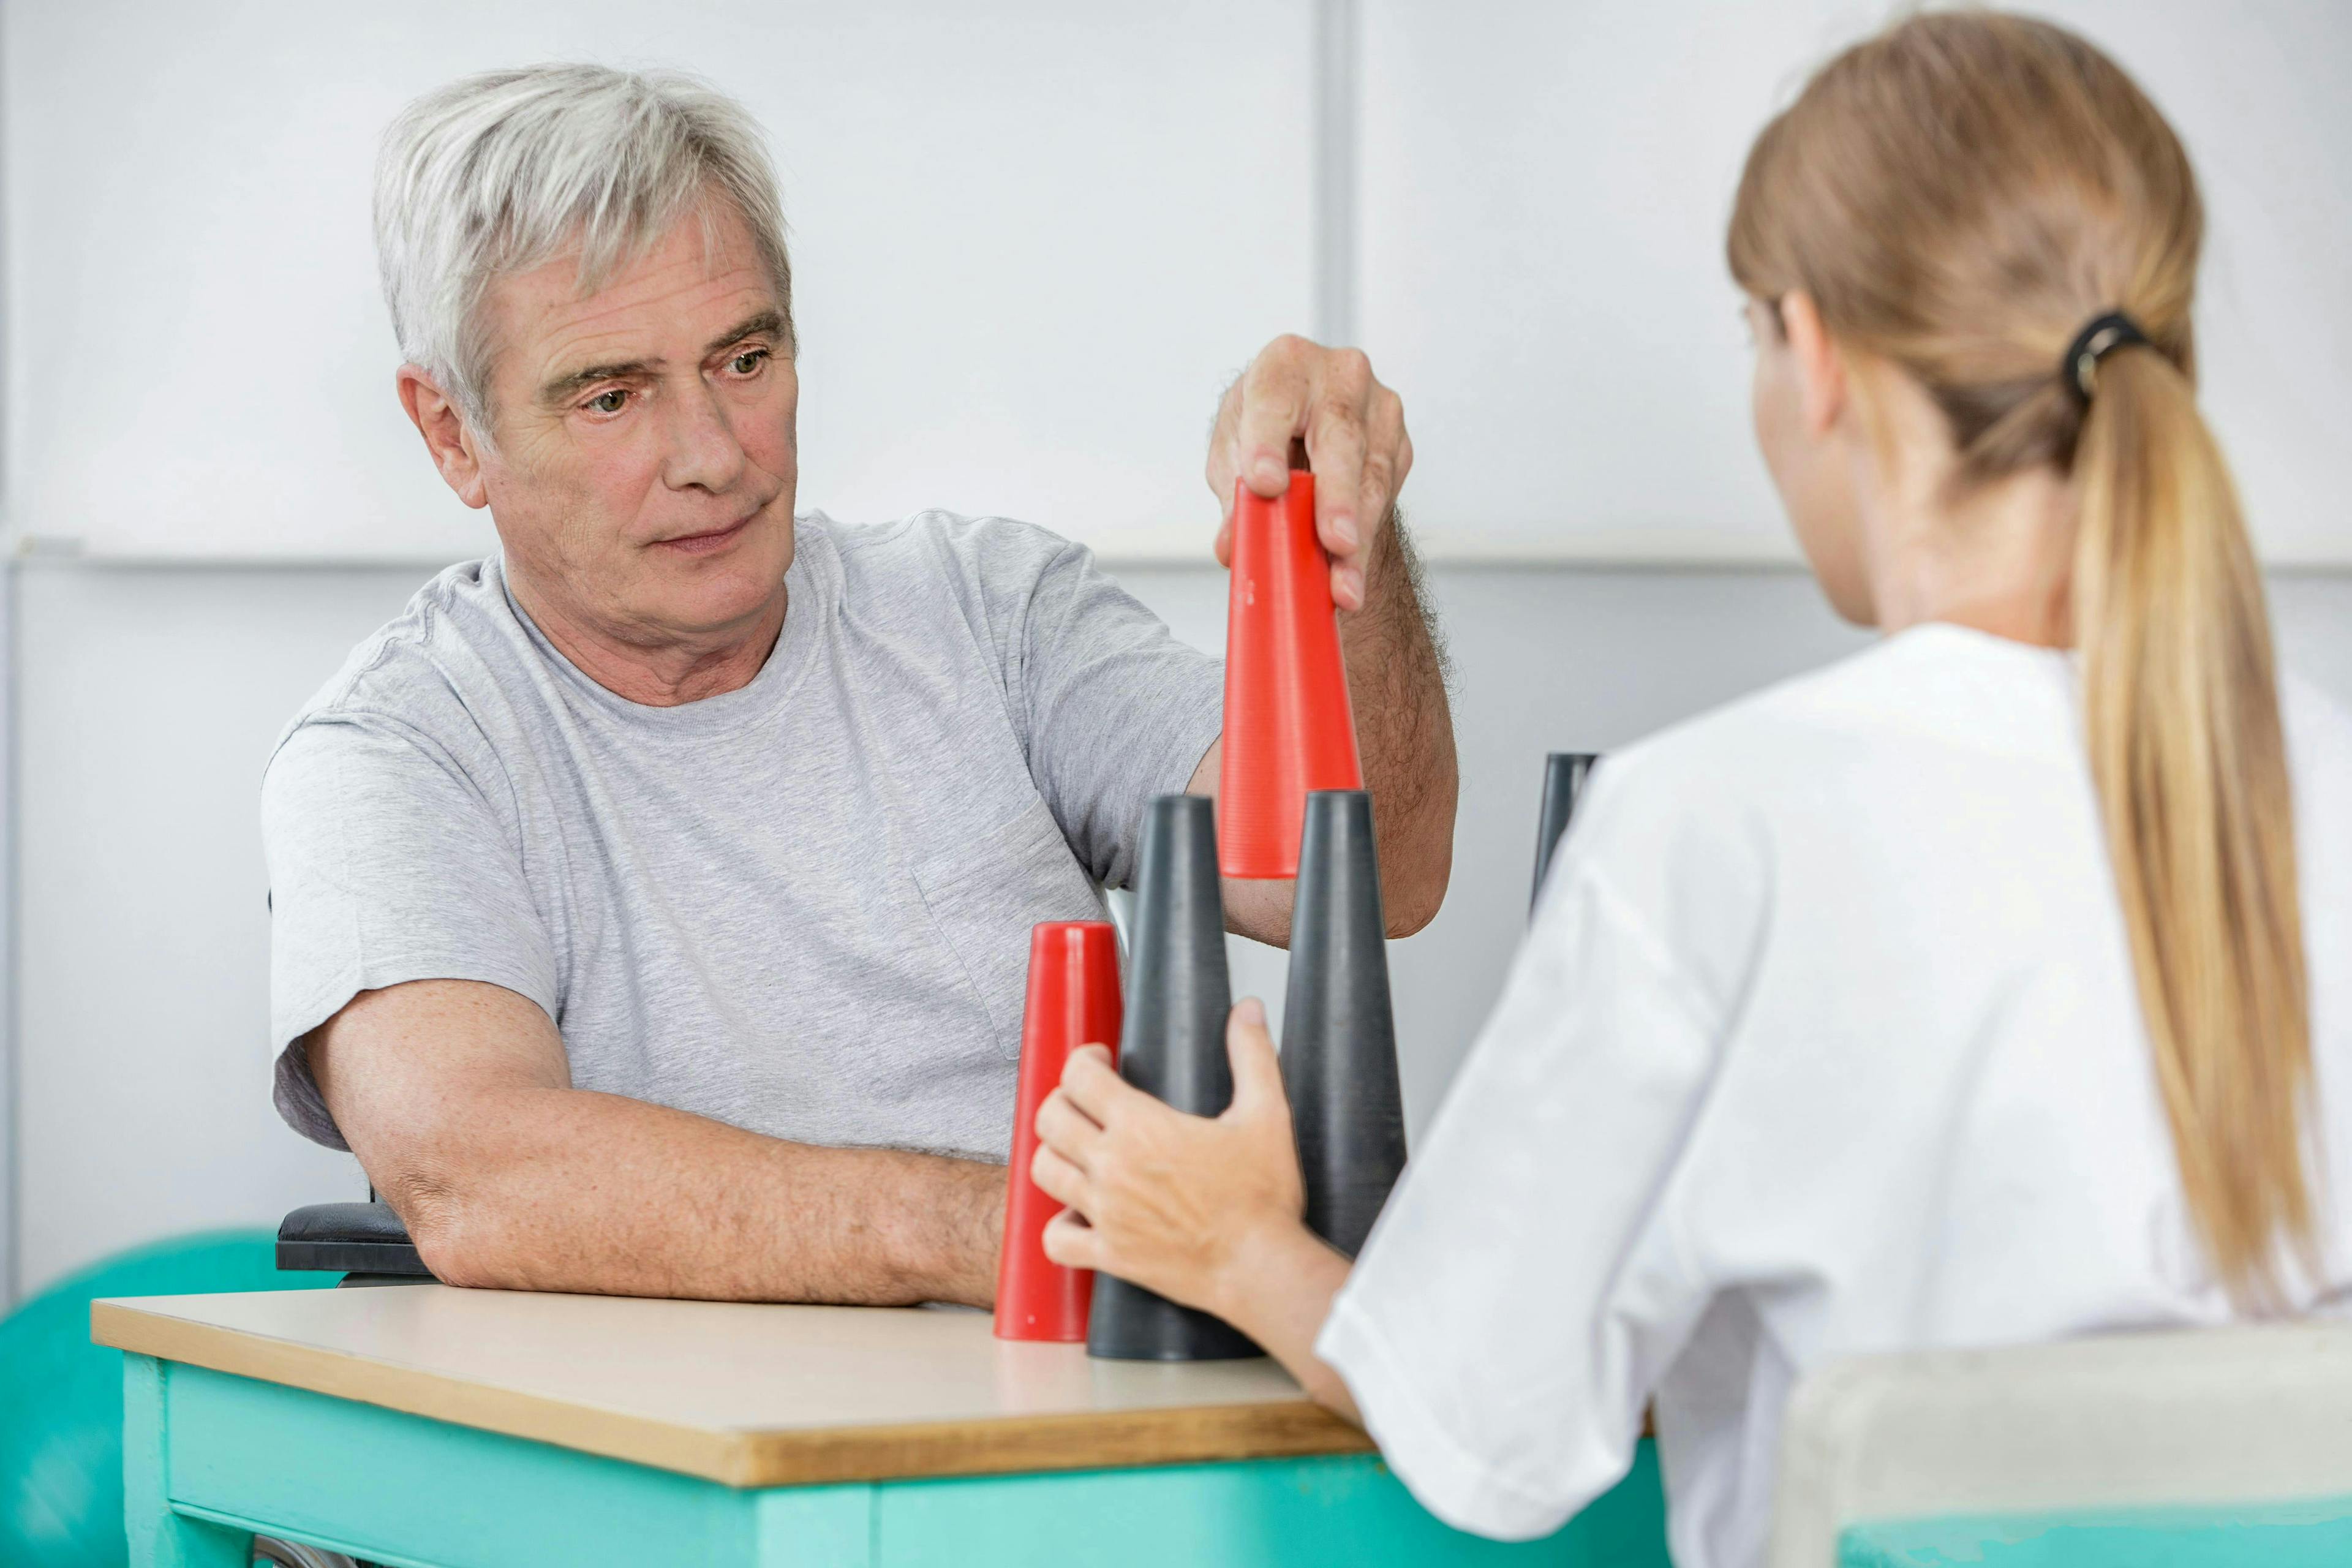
{"x": 646, "y": 463}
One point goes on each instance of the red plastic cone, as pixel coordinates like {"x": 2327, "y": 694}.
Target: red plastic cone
{"x": 1073, "y": 1001}
{"x": 1288, "y": 728}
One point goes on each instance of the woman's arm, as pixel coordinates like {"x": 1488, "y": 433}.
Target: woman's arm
{"x": 1279, "y": 1292}
{"x": 1205, "y": 1211}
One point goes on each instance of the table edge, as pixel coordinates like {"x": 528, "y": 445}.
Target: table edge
{"x": 750, "y": 1457}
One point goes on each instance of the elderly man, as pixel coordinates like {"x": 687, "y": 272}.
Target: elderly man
{"x": 651, "y": 898}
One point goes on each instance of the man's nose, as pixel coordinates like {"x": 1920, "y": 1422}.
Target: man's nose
{"x": 703, "y": 451}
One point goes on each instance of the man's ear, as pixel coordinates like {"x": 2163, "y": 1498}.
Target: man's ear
{"x": 1821, "y": 368}
{"x": 446, "y": 437}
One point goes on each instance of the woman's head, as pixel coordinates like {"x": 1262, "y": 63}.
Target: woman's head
{"x": 1951, "y": 201}
{"x": 1925, "y": 234}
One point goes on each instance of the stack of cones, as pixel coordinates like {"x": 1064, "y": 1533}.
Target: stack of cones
{"x": 1339, "y": 1040}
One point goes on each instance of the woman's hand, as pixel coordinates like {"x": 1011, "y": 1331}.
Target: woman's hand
{"x": 1208, "y": 1211}
{"x": 1179, "y": 1204}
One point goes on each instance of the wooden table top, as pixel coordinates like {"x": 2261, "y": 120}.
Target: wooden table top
{"x": 749, "y": 1396}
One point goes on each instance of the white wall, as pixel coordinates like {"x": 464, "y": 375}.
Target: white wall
{"x": 150, "y": 697}
{"x": 1031, "y": 240}
{"x": 1033, "y": 237}
{"x": 1545, "y": 190}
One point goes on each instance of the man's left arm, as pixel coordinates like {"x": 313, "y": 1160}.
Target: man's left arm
{"x": 1297, "y": 395}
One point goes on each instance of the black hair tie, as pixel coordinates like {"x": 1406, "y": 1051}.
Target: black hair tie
{"x": 2100, "y": 336}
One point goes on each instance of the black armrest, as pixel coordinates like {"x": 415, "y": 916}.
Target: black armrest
{"x": 360, "y": 1239}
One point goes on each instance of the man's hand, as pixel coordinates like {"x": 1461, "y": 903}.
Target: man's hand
{"x": 1300, "y": 393}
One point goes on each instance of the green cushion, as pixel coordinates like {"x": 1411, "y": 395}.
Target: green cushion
{"x": 61, "y": 1396}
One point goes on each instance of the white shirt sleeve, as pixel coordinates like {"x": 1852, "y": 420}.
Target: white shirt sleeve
{"x": 1524, "y": 1290}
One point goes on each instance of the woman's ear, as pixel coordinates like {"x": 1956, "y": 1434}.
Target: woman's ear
{"x": 1821, "y": 370}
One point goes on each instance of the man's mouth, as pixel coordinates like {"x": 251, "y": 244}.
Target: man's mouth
{"x": 705, "y": 543}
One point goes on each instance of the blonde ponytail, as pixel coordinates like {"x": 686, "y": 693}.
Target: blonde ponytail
{"x": 2180, "y": 712}
{"x": 1960, "y": 197}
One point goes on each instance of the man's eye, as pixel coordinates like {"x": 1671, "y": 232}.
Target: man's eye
{"x": 611, "y": 402}
{"x": 748, "y": 361}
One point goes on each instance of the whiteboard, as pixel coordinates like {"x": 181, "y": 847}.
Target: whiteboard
{"x": 1540, "y": 265}
{"x": 1031, "y": 241}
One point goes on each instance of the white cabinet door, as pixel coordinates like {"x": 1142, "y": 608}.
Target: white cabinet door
{"x": 1545, "y": 190}
{"x": 1031, "y": 240}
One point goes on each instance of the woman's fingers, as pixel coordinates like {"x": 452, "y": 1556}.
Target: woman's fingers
{"x": 1093, "y": 1085}
{"x": 1072, "y": 1243}
{"x": 1059, "y": 1179}
{"x": 1067, "y": 1130}
{"x": 1158, "y": 1196}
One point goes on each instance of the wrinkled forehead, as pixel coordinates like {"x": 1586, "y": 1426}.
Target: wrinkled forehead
{"x": 690, "y": 286}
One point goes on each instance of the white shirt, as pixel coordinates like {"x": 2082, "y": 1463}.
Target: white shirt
{"x": 1825, "y": 1041}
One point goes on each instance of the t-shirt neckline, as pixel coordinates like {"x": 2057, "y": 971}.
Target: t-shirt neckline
{"x": 810, "y": 587}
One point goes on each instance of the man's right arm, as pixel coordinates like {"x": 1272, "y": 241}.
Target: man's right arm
{"x": 455, "y": 1096}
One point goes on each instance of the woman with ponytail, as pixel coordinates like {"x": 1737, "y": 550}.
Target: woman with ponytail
{"x": 1993, "y": 985}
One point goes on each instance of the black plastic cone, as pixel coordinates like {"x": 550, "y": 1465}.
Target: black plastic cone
{"x": 1172, "y": 1045}
{"x": 1564, "y": 776}
{"x": 1339, "y": 1038}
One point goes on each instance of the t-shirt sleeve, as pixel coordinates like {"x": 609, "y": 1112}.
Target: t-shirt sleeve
{"x": 1523, "y": 1292}
{"x": 386, "y": 865}
{"x": 1114, "y": 709}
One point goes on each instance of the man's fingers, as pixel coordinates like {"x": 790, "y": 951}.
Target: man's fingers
{"x": 1347, "y": 586}
{"x": 1275, "y": 393}
{"x": 1336, "y": 438}
{"x": 1057, "y": 1178}
{"x": 1223, "y": 458}
{"x": 1093, "y": 1085}
{"x": 1335, "y": 449}
{"x": 1298, "y": 399}
{"x": 1388, "y": 455}
{"x": 1257, "y": 1068}
{"x": 1068, "y": 1131}
{"x": 1072, "y": 1243}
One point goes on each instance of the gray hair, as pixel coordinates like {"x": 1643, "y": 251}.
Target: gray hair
{"x": 509, "y": 171}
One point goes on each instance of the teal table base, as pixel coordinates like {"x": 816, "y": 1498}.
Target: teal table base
{"x": 2278, "y": 1535}
{"x": 210, "y": 1460}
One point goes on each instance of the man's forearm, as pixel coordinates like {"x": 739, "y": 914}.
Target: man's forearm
{"x": 561, "y": 1189}
{"x": 1404, "y": 728}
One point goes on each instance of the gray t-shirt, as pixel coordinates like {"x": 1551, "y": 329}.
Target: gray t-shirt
{"x": 802, "y": 907}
